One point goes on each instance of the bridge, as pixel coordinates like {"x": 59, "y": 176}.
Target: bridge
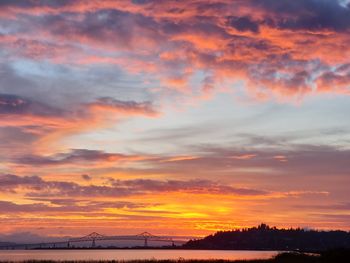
{"x": 94, "y": 237}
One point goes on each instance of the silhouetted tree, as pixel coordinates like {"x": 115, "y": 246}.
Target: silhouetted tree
{"x": 264, "y": 237}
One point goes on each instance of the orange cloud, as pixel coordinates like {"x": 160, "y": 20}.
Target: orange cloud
{"x": 276, "y": 56}
{"x": 55, "y": 124}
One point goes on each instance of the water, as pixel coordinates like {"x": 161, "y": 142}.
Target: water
{"x": 125, "y": 254}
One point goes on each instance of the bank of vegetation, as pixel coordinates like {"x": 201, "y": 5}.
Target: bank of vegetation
{"x": 264, "y": 237}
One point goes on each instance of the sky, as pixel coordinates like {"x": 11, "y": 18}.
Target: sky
{"x": 173, "y": 117}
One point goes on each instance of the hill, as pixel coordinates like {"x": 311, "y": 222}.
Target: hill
{"x": 264, "y": 237}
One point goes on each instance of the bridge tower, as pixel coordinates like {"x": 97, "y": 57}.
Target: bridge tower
{"x": 145, "y": 236}
{"x": 93, "y": 237}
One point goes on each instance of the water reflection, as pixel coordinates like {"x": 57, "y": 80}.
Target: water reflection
{"x": 18, "y": 255}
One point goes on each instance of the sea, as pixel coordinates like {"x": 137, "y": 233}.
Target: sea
{"x": 130, "y": 254}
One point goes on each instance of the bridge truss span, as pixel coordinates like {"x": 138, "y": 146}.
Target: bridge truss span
{"x": 94, "y": 237}
{"x": 145, "y": 237}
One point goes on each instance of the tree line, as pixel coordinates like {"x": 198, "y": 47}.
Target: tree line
{"x": 264, "y": 237}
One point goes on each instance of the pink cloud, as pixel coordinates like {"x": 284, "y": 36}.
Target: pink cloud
{"x": 276, "y": 56}
{"x": 244, "y": 156}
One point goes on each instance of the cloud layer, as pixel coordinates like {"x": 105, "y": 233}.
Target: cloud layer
{"x": 184, "y": 116}
{"x": 277, "y": 49}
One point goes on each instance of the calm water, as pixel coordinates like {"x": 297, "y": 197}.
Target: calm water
{"x": 18, "y": 255}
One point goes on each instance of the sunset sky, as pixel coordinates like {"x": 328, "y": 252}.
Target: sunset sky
{"x": 173, "y": 117}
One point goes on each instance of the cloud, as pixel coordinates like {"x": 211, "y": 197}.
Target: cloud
{"x": 191, "y": 186}
{"x": 335, "y": 81}
{"x": 51, "y": 124}
{"x": 29, "y": 3}
{"x": 13, "y": 138}
{"x": 16, "y": 105}
{"x": 86, "y": 177}
{"x": 279, "y": 50}
{"x": 129, "y": 107}
{"x": 336, "y": 218}
{"x": 38, "y": 187}
{"x": 63, "y": 206}
{"x": 322, "y": 207}
{"x": 244, "y": 24}
{"x": 75, "y": 156}
{"x": 10, "y": 182}
{"x": 281, "y": 158}
{"x": 76, "y": 67}
{"x": 276, "y": 158}
{"x": 22, "y": 106}
{"x": 308, "y": 14}
{"x": 244, "y": 156}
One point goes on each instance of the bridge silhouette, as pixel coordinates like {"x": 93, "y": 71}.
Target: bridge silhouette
{"x": 94, "y": 237}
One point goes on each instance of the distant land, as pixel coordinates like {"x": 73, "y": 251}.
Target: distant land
{"x": 264, "y": 237}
